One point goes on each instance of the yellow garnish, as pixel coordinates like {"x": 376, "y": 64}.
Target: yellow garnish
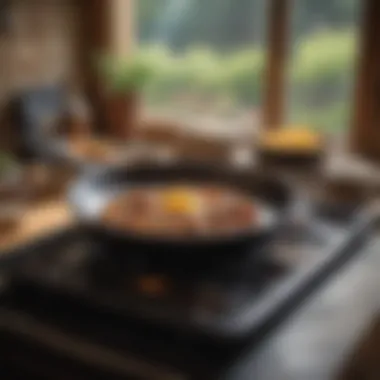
{"x": 180, "y": 201}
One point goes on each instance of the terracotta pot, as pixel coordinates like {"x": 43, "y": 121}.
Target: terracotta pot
{"x": 122, "y": 115}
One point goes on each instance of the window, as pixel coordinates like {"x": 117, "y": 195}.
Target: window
{"x": 210, "y": 57}
{"x": 322, "y": 63}
{"x": 206, "y": 50}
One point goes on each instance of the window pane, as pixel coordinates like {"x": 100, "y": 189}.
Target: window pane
{"x": 322, "y": 64}
{"x": 209, "y": 55}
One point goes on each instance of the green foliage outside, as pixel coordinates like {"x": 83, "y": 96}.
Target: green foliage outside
{"x": 126, "y": 75}
{"x": 213, "y": 52}
{"x": 321, "y": 74}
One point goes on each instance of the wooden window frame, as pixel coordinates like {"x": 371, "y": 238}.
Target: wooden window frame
{"x": 117, "y": 38}
{"x": 94, "y": 35}
{"x": 275, "y": 70}
{"x": 365, "y": 129}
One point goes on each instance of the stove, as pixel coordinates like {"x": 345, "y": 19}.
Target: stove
{"x": 70, "y": 304}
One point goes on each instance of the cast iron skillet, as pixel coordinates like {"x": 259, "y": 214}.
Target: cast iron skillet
{"x": 91, "y": 192}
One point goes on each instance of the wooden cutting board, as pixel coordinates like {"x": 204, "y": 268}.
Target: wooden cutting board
{"x": 40, "y": 219}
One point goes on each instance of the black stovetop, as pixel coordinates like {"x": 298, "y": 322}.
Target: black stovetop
{"x": 165, "y": 318}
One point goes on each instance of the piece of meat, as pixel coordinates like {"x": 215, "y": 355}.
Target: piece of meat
{"x": 234, "y": 215}
{"x": 179, "y": 225}
{"x": 138, "y": 202}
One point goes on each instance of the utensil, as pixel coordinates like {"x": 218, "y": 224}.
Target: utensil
{"x": 92, "y": 192}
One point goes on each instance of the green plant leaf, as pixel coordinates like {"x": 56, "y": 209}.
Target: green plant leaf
{"x": 126, "y": 75}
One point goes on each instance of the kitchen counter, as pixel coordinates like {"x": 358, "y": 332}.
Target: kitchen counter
{"x": 40, "y": 219}
{"x": 321, "y": 340}
{"x": 45, "y": 207}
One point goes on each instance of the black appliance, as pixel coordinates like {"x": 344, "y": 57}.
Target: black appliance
{"x": 69, "y": 310}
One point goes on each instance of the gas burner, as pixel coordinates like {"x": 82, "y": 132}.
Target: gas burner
{"x": 189, "y": 317}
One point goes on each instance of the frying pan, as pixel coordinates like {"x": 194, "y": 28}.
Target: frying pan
{"x": 91, "y": 192}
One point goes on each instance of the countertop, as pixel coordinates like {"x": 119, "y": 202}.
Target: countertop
{"x": 39, "y": 220}
{"x": 324, "y": 339}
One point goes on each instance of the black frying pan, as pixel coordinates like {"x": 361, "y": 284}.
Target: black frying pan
{"x": 92, "y": 191}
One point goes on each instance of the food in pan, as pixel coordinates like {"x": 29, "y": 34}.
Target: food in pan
{"x": 181, "y": 211}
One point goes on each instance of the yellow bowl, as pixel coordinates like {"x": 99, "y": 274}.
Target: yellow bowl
{"x": 291, "y": 140}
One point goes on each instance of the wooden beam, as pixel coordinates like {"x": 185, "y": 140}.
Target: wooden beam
{"x": 122, "y": 27}
{"x": 275, "y": 74}
{"x": 365, "y": 133}
{"x": 93, "y": 31}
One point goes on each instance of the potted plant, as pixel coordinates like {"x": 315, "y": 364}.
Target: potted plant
{"x": 124, "y": 81}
